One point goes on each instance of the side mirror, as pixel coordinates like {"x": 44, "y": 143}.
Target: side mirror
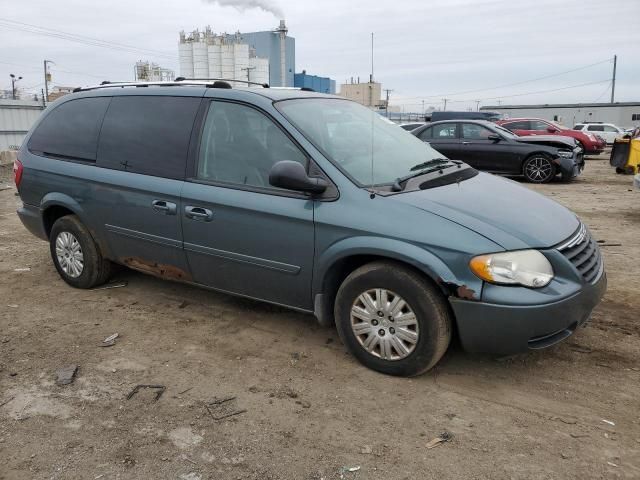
{"x": 292, "y": 176}
{"x": 552, "y": 130}
{"x": 494, "y": 137}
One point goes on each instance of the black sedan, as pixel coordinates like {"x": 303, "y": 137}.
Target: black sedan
{"x": 489, "y": 147}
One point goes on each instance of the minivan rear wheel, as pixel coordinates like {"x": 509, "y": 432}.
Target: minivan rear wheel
{"x": 392, "y": 319}
{"x": 539, "y": 169}
{"x": 76, "y": 255}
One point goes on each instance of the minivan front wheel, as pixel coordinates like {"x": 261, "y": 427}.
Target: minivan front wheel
{"x": 392, "y": 320}
{"x": 76, "y": 255}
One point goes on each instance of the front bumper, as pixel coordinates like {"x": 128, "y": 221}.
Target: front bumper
{"x": 508, "y": 329}
{"x": 571, "y": 167}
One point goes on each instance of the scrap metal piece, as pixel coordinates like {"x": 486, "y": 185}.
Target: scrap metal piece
{"x": 66, "y": 375}
{"x": 136, "y": 389}
{"x": 109, "y": 341}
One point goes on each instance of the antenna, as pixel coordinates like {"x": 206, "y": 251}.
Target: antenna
{"x": 371, "y": 79}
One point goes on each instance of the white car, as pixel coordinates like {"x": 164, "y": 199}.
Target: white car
{"x": 608, "y": 131}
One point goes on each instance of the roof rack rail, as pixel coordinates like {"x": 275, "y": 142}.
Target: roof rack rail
{"x": 183, "y": 79}
{"x": 107, "y": 84}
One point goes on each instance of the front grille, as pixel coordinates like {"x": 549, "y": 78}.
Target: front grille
{"x": 583, "y": 252}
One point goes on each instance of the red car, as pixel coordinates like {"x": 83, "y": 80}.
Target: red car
{"x": 591, "y": 144}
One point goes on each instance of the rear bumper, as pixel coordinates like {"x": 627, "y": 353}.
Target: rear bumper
{"x": 31, "y": 218}
{"x": 509, "y": 329}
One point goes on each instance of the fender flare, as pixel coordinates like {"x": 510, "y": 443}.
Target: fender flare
{"x": 418, "y": 257}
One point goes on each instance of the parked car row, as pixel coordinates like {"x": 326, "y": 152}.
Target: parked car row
{"x": 489, "y": 147}
{"x": 589, "y": 142}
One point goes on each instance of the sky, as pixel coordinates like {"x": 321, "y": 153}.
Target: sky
{"x": 462, "y": 50}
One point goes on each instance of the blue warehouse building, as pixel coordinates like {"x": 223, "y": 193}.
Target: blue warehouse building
{"x": 318, "y": 84}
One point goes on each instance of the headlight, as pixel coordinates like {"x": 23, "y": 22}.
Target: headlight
{"x": 528, "y": 268}
{"x": 565, "y": 154}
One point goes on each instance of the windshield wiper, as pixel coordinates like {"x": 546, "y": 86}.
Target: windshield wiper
{"x": 428, "y": 163}
{"x": 422, "y": 169}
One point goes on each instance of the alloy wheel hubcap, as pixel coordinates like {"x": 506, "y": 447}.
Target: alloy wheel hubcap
{"x": 384, "y": 324}
{"x": 69, "y": 254}
{"x": 539, "y": 169}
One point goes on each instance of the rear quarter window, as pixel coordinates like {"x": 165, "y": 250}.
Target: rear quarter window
{"x": 148, "y": 135}
{"x": 71, "y": 130}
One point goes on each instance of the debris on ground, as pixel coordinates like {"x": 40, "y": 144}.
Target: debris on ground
{"x": 609, "y": 422}
{"x": 185, "y": 391}
{"x": 12, "y": 305}
{"x": 184, "y": 304}
{"x": 6, "y": 401}
{"x": 222, "y": 408}
{"x": 111, "y": 285}
{"x": 366, "y": 450}
{"x": 109, "y": 341}
{"x": 137, "y": 388}
{"x": 344, "y": 470}
{"x": 442, "y": 438}
{"x": 66, "y": 375}
{"x": 25, "y": 269}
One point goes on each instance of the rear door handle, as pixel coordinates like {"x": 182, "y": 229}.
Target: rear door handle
{"x": 198, "y": 213}
{"x": 162, "y": 206}
{"x": 466, "y": 143}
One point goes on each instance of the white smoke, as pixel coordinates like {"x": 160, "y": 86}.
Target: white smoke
{"x": 242, "y": 5}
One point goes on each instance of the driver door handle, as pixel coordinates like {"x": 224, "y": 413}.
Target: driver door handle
{"x": 466, "y": 143}
{"x": 198, "y": 213}
{"x": 161, "y": 206}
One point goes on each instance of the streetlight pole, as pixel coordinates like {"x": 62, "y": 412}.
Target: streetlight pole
{"x": 47, "y": 77}
{"x": 13, "y": 85}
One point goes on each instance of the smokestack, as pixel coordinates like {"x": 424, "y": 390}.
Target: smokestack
{"x": 282, "y": 32}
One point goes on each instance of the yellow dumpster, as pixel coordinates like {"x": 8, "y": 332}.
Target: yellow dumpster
{"x": 625, "y": 155}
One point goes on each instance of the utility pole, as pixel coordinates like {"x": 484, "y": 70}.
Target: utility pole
{"x": 445, "y": 100}
{"x": 613, "y": 80}
{"x": 387, "y": 104}
{"x": 248, "y": 70}
{"x": 13, "y": 85}
{"x": 477, "y": 105}
{"x": 47, "y": 78}
{"x": 423, "y": 108}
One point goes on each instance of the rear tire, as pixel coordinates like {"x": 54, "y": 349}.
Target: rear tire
{"x": 539, "y": 169}
{"x": 76, "y": 255}
{"x": 392, "y": 319}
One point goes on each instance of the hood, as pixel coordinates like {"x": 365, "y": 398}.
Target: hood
{"x": 501, "y": 210}
{"x": 557, "y": 141}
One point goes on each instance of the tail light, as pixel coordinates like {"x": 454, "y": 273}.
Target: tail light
{"x": 17, "y": 172}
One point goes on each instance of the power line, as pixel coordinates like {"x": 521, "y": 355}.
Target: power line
{"x": 523, "y": 93}
{"x": 90, "y": 41}
{"x": 609, "y": 60}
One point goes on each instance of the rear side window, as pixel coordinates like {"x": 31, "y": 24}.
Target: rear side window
{"x": 71, "y": 130}
{"x": 522, "y": 125}
{"x": 425, "y": 134}
{"x": 148, "y": 135}
{"x": 578, "y": 127}
{"x": 595, "y": 128}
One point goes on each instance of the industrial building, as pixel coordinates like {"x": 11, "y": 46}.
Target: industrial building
{"x": 145, "y": 71}
{"x": 623, "y": 114}
{"x": 261, "y": 57}
{"x": 367, "y": 94}
{"x": 316, "y": 83}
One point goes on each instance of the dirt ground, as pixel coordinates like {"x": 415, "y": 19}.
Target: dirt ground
{"x": 570, "y": 412}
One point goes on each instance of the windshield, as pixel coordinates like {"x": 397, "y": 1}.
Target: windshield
{"x": 357, "y": 140}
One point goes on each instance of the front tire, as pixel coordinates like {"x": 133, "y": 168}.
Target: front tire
{"x": 76, "y": 255}
{"x": 392, "y": 319}
{"x": 539, "y": 169}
